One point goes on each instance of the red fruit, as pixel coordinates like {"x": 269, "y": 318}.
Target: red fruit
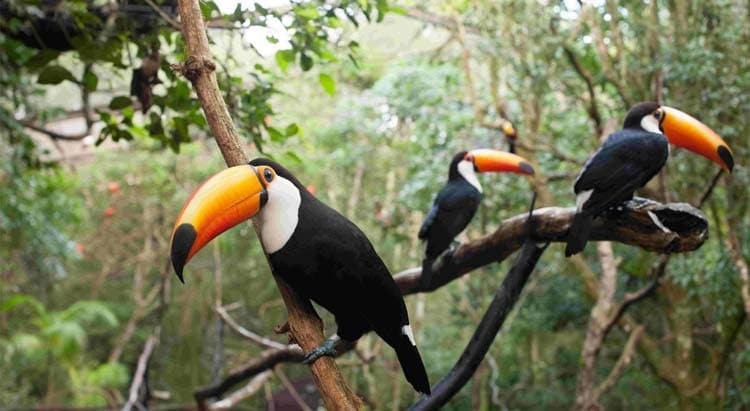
{"x": 311, "y": 189}
{"x": 113, "y": 187}
{"x": 109, "y": 212}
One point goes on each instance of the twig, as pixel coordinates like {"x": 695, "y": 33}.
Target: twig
{"x": 166, "y": 17}
{"x": 55, "y": 135}
{"x": 631, "y": 298}
{"x": 707, "y": 194}
{"x": 489, "y": 326}
{"x": 252, "y": 387}
{"x": 625, "y": 358}
{"x": 247, "y": 334}
{"x": 140, "y": 371}
{"x": 593, "y": 109}
{"x": 292, "y": 391}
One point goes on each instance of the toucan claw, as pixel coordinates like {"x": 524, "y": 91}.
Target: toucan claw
{"x": 322, "y": 350}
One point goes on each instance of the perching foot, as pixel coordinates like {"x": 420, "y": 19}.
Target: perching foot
{"x": 323, "y": 349}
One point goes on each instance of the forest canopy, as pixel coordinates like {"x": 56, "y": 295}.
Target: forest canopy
{"x": 104, "y": 135}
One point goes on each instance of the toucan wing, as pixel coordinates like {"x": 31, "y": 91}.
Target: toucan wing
{"x": 625, "y": 162}
{"x": 456, "y": 203}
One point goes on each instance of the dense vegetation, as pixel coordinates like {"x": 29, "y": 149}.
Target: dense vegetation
{"x": 367, "y": 104}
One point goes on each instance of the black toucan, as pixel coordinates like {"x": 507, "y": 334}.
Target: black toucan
{"x": 511, "y": 135}
{"x": 630, "y": 157}
{"x": 322, "y": 255}
{"x": 457, "y": 202}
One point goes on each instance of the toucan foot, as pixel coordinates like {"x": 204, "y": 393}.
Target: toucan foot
{"x": 323, "y": 349}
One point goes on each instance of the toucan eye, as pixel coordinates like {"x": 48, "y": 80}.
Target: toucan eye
{"x": 268, "y": 174}
{"x": 658, "y": 114}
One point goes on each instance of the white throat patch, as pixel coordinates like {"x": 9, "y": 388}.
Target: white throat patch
{"x": 278, "y": 218}
{"x": 466, "y": 169}
{"x": 650, "y": 124}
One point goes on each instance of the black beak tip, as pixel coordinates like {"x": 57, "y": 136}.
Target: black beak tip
{"x": 526, "y": 167}
{"x": 182, "y": 242}
{"x": 726, "y": 157}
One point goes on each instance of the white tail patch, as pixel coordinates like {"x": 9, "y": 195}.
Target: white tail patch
{"x": 406, "y": 330}
{"x": 582, "y": 198}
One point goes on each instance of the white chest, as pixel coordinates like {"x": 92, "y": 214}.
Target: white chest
{"x": 278, "y": 218}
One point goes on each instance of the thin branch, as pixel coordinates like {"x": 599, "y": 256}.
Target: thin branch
{"x": 489, "y": 326}
{"x": 252, "y": 387}
{"x": 166, "y": 17}
{"x": 657, "y": 272}
{"x": 140, "y": 372}
{"x": 707, "y": 194}
{"x": 247, "y": 334}
{"x": 292, "y": 391}
{"x": 625, "y": 358}
{"x": 55, "y": 135}
{"x": 584, "y": 74}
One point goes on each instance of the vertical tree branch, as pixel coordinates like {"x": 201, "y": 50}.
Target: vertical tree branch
{"x": 305, "y": 326}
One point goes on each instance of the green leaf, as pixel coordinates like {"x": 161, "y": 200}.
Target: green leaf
{"x": 328, "y": 84}
{"x": 293, "y": 157}
{"x": 275, "y": 134}
{"x": 291, "y": 129}
{"x": 90, "y": 81}
{"x": 120, "y": 102}
{"x": 207, "y": 8}
{"x": 54, "y": 75}
{"x": 284, "y": 58}
{"x": 306, "y": 62}
{"x": 310, "y": 12}
{"x": 42, "y": 58}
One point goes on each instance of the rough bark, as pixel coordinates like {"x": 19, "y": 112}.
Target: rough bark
{"x": 305, "y": 326}
{"x": 633, "y": 226}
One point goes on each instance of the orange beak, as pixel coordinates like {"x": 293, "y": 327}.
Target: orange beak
{"x": 688, "y": 132}
{"x": 221, "y": 202}
{"x": 487, "y": 160}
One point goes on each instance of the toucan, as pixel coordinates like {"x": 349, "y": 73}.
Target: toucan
{"x": 510, "y": 134}
{"x": 630, "y": 157}
{"x": 458, "y": 200}
{"x": 320, "y": 253}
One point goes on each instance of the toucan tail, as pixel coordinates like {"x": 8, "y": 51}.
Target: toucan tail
{"x": 512, "y": 145}
{"x": 411, "y": 361}
{"x": 578, "y": 233}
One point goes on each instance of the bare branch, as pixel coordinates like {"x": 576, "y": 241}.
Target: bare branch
{"x": 166, "y": 17}
{"x": 54, "y": 135}
{"x": 140, "y": 372}
{"x": 631, "y": 298}
{"x": 625, "y": 358}
{"x": 245, "y": 333}
{"x": 593, "y": 109}
{"x": 504, "y": 300}
{"x": 243, "y": 393}
{"x": 688, "y": 229}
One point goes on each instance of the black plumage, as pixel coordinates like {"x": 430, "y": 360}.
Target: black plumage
{"x": 330, "y": 261}
{"x": 452, "y": 210}
{"x": 627, "y": 160}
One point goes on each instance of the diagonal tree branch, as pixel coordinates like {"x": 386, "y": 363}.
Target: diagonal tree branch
{"x": 305, "y": 326}
{"x": 488, "y": 327}
{"x": 633, "y": 226}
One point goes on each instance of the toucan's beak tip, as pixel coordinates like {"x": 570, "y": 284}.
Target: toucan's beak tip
{"x": 182, "y": 242}
{"x": 526, "y": 168}
{"x": 726, "y": 157}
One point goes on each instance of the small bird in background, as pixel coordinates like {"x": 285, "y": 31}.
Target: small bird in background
{"x": 317, "y": 251}
{"x": 630, "y": 157}
{"x": 145, "y": 77}
{"x": 510, "y": 134}
{"x": 458, "y": 201}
